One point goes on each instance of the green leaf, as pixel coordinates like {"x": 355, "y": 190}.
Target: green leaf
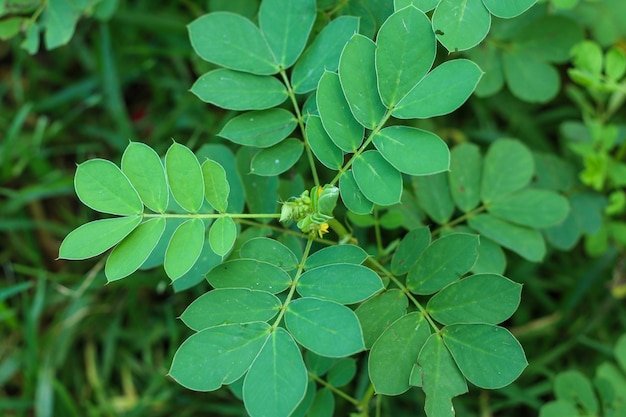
{"x": 214, "y": 192}
{"x": 409, "y": 250}
{"x": 423, "y": 5}
{"x": 344, "y": 130}
{"x": 277, "y": 379}
{"x": 260, "y": 129}
{"x": 615, "y": 63}
{"x": 406, "y": 48}
{"x": 442, "y": 91}
{"x": 558, "y": 409}
{"x": 395, "y": 352}
{"x": 439, "y": 377}
{"x": 184, "y": 176}
{"x": 324, "y": 327}
{"x": 218, "y": 355}
{"x": 488, "y": 58}
{"x": 573, "y": 387}
{"x": 344, "y": 283}
{"x": 347, "y": 254}
{"x": 533, "y": 208}
{"x": 527, "y": 243}
{"x": 261, "y": 193}
{"x": 377, "y": 313}
{"x": 216, "y": 187}
{"x": 286, "y": 25}
{"x": 270, "y": 250}
{"x": 251, "y": 274}
{"x": 461, "y": 26}
{"x": 102, "y": 186}
{"x": 529, "y": 78}
{"x": 9, "y": 27}
{"x": 508, "y": 167}
{"x": 322, "y": 145}
{"x": 413, "y": 151}
{"x": 508, "y": 9}
{"x": 143, "y": 167}
{"x": 564, "y": 33}
{"x": 303, "y": 408}
{"x": 184, "y": 248}
{"x": 490, "y": 357}
{"x": 465, "y": 175}
{"x": 443, "y": 262}
{"x": 377, "y": 179}
{"x": 434, "y": 196}
{"x": 133, "y": 250}
{"x": 491, "y": 258}
{"x": 230, "y": 306}
{"x": 342, "y": 372}
{"x": 60, "y": 18}
{"x": 357, "y": 73}
{"x": 484, "y": 298}
{"x": 323, "y": 54}
{"x": 222, "y": 235}
{"x": 278, "y": 158}
{"x": 93, "y": 238}
{"x": 232, "y": 41}
{"x": 351, "y": 195}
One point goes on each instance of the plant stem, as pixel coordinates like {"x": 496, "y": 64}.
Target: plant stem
{"x": 334, "y": 389}
{"x": 307, "y": 148}
{"x": 213, "y": 215}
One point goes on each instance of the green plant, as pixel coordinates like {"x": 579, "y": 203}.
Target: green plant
{"x": 287, "y": 319}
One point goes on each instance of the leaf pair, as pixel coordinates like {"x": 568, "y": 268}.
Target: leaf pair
{"x": 181, "y": 186}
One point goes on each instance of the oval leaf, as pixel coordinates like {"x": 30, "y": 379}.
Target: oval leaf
{"x": 278, "y": 158}
{"x": 351, "y": 195}
{"x": 441, "y": 92}
{"x": 461, "y": 26}
{"x": 343, "y": 283}
{"x": 251, "y": 274}
{"x": 230, "y": 306}
{"x": 464, "y": 176}
{"x": 234, "y": 90}
{"x": 409, "y": 250}
{"x": 413, "y": 151}
{"x": 508, "y": 166}
{"x": 232, "y": 41}
{"x": 377, "y": 313}
{"x": 489, "y": 356}
{"x": 184, "y": 248}
{"x": 377, "y": 179}
{"x": 434, "y": 196}
{"x": 218, "y": 355}
{"x": 508, "y": 9}
{"x": 395, "y": 352}
{"x": 406, "y": 48}
{"x": 260, "y": 129}
{"x": 530, "y": 79}
{"x": 143, "y": 167}
{"x": 184, "y": 175}
{"x": 534, "y": 208}
{"x": 216, "y": 187}
{"x": 322, "y": 146}
{"x": 324, "y": 327}
{"x": 93, "y": 238}
{"x": 270, "y": 250}
{"x": 222, "y": 235}
{"x": 102, "y": 186}
{"x": 349, "y": 254}
{"x": 443, "y": 262}
{"x": 357, "y": 74}
{"x": 133, "y": 251}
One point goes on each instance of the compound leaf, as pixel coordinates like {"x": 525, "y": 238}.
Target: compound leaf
{"x": 442, "y": 91}
{"x": 232, "y": 41}
{"x": 218, "y": 355}
{"x": 260, "y": 129}
{"x": 377, "y": 313}
{"x": 230, "y": 306}
{"x": 216, "y": 187}
{"x": 278, "y": 158}
{"x": 249, "y": 273}
{"x": 357, "y": 73}
{"x": 443, "y": 262}
{"x": 341, "y": 282}
{"x": 270, "y": 250}
{"x": 461, "y": 26}
{"x": 234, "y": 90}
{"x": 406, "y": 48}
{"x": 133, "y": 250}
{"x": 222, "y": 235}
{"x": 184, "y": 176}
{"x": 377, "y": 179}
{"x": 324, "y": 327}
{"x": 102, "y": 186}
{"x": 533, "y": 208}
{"x": 395, "y": 352}
{"x": 489, "y": 356}
{"x": 286, "y": 25}
{"x": 143, "y": 167}
{"x": 483, "y": 298}
{"x": 184, "y": 248}
{"x": 413, "y": 151}
{"x": 93, "y": 238}
{"x": 277, "y": 379}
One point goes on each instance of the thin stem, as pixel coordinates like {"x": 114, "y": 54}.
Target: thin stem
{"x": 307, "y": 148}
{"x": 292, "y": 290}
{"x": 334, "y": 389}
{"x": 213, "y": 215}
{"x": 377, "y": 233}
{"x": 460, "y": 219}
{"x": 366, "y": 399}
{"x": 361, "y": 149}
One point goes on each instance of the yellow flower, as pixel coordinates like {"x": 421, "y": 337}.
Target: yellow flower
{"x": 323, "y": 228}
